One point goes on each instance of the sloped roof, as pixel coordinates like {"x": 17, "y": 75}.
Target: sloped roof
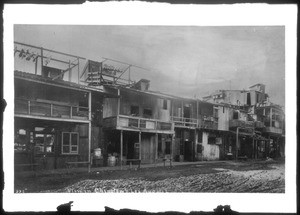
{"x": 61, "y": 83}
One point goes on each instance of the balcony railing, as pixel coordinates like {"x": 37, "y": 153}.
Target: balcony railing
{"x": 123, "y": 121}
{"x": 273, "y": 130}
{"x": 240, "y": 123}
{"x": 50, "y": 109}
{"x": 184, "y": 122}
{"x": 208, "y": 122}
{"x": 259, "y": 124}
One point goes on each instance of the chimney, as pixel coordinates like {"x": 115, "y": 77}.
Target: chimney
{"x": 142, "y": 85}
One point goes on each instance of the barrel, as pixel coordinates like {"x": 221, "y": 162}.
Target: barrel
{"x": 97, "y": 153}
{"x": 111, "y": 161}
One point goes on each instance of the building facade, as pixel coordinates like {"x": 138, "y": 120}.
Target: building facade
{"x": 67, "y": 108}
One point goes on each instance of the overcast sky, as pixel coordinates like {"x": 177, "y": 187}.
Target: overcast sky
{"x": 186, "y": 61}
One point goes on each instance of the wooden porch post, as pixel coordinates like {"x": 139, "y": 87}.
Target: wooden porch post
{"x": 172, "y": 148}
{"x": 121, "y": 148}
{"x": 197, "y": 113}
{"x": 156, "y": 146}
{"x": 70, "y": 73}
{"x": 78, "y": 70}
{"x": 195, "y": 145}
{"x": 271, "y": 113}
{"x": 237, "y": 143}
{"x": 182, "y": 112}
{"x": 36, "y": 65}
{"x": 90, "y": 131}
{"x": 140, "y": 144}
{"x": 119, "y": 102}
{"x": 42, "y": 60}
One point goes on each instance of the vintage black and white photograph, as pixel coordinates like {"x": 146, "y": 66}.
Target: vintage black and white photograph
{"x": 112, "y": 109}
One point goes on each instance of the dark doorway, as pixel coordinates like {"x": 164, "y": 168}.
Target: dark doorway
{"x": 248, "y": 99}
{"x": 132, "y": 145}
{"x": 188, "y": 150}
{"x": 186, "y": 112}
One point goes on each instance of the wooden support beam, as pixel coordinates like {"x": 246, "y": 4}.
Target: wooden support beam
{"x": 271, "y": 113}
{"x": 70, "y": 71}
{"x": 172, "y": 148}
{"x": 42, "y": 60}
{"x": 121, "y": 148}
{"x": 119, "y": 103}
{"x": 195, "y": 144}
{"x": 90, "y": 131}
{"x": 197, "y": 112}
{"x": 182, "y": 113}
{"x": 36, "y": 64}
{"x": 156, "y": 146}
{"x": 140, "y": 145}
{"x": 78, "y": 71}
{"x": 237, "y": 143}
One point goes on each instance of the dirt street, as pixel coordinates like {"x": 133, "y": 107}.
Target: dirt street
{"x": 237, "y": 177}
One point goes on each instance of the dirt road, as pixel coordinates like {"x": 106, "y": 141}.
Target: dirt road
{"x": 261, "y": 177}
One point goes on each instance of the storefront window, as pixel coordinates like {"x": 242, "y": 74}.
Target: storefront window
{"x": 69, "y": 143}
{"x": 20, "y": 140}
{"x": 44, "y": 143}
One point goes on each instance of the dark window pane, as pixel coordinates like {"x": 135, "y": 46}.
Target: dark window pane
{"x": 74, "y": 139}
{"x": 165, "y": 104}
{"x": 66, "y": 149}
{"x": 168, "y": 148}
{"x": 134, "y": 110}
{"x": 66, "y": 138}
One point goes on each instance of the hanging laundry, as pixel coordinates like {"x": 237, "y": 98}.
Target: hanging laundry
{"x": 15, "y": 50}
{"x": 35, "y": 57}
{"x": 28, "y": 55}
{"x": 47, "y": 61}
{"x": 22, "y": 52}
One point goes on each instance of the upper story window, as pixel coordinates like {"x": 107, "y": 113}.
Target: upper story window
{"x": 134, "y": 110}
{"x": 165, "y": 104}
{"x": 70, "y": 141}
{"x": 248, "y": 99}
{"x": 147, "y": 113}
{"x": 235, "y": 115}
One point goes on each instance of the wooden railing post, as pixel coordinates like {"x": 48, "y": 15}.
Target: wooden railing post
{"x": 28, "y": 106}
{"x": 51, "y": 109}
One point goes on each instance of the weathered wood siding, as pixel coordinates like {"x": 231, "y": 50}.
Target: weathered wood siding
{"x": 110, "y": 107}
{"x": 223, "y": 118}
{"x": 210, "y": 151}
{"x": 148, "y": 148}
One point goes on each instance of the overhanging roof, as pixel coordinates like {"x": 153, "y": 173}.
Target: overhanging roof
{"x": 59, "y": 83}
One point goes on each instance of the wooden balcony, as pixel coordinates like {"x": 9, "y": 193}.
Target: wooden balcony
{"x": 182, "y": 122}
{"x": 240, "y": 123}
{"x": 49, "y": 109}
{"x": 208, "y": 122}
{"x": 137, "y": 123}
{"x": 259, "y": 124}
{"x": 273, "y": 130}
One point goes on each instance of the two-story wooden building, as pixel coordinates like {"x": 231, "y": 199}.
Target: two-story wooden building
{"x": 57, "y": 121}
{"x": 137, "y": 124}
